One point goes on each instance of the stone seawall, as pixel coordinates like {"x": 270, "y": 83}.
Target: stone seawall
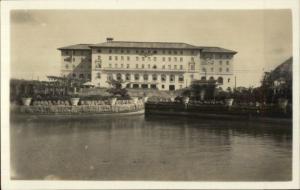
{"x": 81, "y": 109}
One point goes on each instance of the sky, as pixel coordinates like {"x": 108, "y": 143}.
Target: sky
{"x": 262, "y": 38}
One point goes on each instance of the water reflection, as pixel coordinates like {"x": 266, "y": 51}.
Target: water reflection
{"x": 151, "y": 148}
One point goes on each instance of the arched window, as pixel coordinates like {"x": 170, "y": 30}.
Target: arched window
{"x": 136, "y": 77}
{"x": 119, "y": 76}
{"x": 81, "y": 76}
{"x": 154, "y": 66}
{"x": 203, "y": 78}
{"x": 98, "y": 75}
{"x": 145, "y": 77}
{"x": 211, "y": 78}
{"x": 220, "y": 80}
{"x": 172, "y": 78}
{"x": 181, "y": 78}
{"x": 109, "y": 77}
{"x": 127, "y": 76}
{"x": 163, "y": 77}
{"x": 154, "y": 77}
{"x": 74, "y": 75}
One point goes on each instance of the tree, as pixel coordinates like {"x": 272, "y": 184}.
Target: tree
{"x": 116, "y": 88}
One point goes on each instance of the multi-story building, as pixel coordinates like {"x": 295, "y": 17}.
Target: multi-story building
{"x": 160, "y": 65}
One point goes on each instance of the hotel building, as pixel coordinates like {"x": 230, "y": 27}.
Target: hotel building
{"x": 159, "y": 65}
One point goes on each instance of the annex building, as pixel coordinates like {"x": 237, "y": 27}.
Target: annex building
{"x": 159, "y": 65}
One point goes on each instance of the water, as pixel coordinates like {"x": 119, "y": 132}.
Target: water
{"x": 151, "y": 148}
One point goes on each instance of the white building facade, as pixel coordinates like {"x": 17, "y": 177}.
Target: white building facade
{"x": 156, "y": 65}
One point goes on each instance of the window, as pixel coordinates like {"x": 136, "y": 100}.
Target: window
{"x": 180, "y": 59}
{"x": 67, "y": 52}
{"x": 170, "y": 59}
{"x": 204, "y": 70}
{"x": 143, "y": 58}
{"x": 122, "y": 58}
{"x": 136, "y": 77}
{"x": 220, "y": 62}
{"x": 128, "y": 58}
{"x": 145, "y": 77}
{"x": 137, "y": 66}
{"x": 81, "y": 76}
{"x": 143, "y": 66}
{"x": 109, "y": 77}
{"x": 137, "y": 58}
{"x": 175, "y": 59}
{"x": 98, "y": 65}
{"x": 163, "y": 67}
{"x": 110, "y": 58}
{"x": 74, "y": 75}
{"x": 227, "y": 56}
{"x": 172, "y": 78}
{"x": 154, "y": 58}
{"x": 203, "y": 78}
{"x": 228, "y": 80}
{"x": 211, "y": 78}
{"x": 155, "y": 52}
{"x": 122, "y": 51}
{"x": 227, "y": 62}
{"x": 67, "y": 66}
{"x": 163, "y": 51}
{"x": 163, "y": 59}
{"x": 220, "y": 69}
{"x": 149, "y": 66}
{"x": 154, "y": 77}
{"x": 154, "y": 67}
{"x": 128, "y": 51}
{"x": 163, "y": 77}
{"x": 180, "y": 78}
{"x": 181, "y": 52}
{"x": 137, "y": 51}
{"x": 163, "y": 86}
{"x": 220, "y": 80}
{"x": 149, "y": 58}
{"x": 116, "y": 50}
{"x": 227, "y": 69}
{"x": 192, "y": 59}
{"x": 170, "y": 52}
{"x": 175, "y": 67}
{"x": 99, "y": 50}
{"x": 192, "y": 76}
{"x": 98, "y": 75}
{"x": 116, "y": 58}
{"x": 109, "y": 50}
{"x": 119, "y": 76}
{"x": 181, "y": 67}
{"x": 127, "y": 76}
{"x": 73, "y": 59}
{"x": 73, "y": 66}
{"x": 175, "y": 52}
{"x": 127, "y": 66}
{"x": 192, "y": 66}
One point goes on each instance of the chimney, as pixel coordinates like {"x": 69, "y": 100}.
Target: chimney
{"x": 109, "y": 39}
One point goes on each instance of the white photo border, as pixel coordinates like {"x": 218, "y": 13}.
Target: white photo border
{"x": 7, "y": 6}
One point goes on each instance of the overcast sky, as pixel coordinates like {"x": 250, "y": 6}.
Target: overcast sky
{"x": 263, "y": 39}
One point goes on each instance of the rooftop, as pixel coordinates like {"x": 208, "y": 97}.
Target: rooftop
{"x": 152, "y": 45}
